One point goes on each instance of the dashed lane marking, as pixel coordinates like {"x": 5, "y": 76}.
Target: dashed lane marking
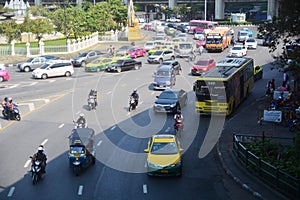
{"x": 145, "y": 190}
{"x": 30, "y": 105}
{"x": 27, "y": 163}
{"x": 80, "y": 190}
{"x": 62, "y": 125}
{"x": 99, "y": 143}
{"x": 112, "y": 128}
{"x": 11, "y": 192}
{"x": 44, "y": 142}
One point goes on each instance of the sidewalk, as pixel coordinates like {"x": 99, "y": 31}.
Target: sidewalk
{"x": 244, "y": 121}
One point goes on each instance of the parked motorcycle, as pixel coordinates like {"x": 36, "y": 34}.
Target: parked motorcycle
{"x": 132, "y": 104}
{"x": 36, "y": 171}
{"x": 15, "y": 114}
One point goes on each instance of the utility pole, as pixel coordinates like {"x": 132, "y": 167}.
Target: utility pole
{"x": 65, "y": 23}
{"x": 205, "y": 9}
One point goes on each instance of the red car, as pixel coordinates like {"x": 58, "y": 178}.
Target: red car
{"x": 4, "y": 76}
{"x": 203, "y": 65}
{"x": 135, "y": 52}
{"x": 201, "y": 42}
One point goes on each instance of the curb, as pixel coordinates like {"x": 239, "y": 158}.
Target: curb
{"x": 236, "y": 179}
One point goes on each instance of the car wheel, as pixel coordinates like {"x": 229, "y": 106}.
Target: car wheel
{"x": 1, "y": 79}
{"x": 173, "y": 58}
{"x": 119, "y": 69}
{"x": 27, "y": 69}
{"x": 83, "y": 64}
{"x": 160, "y": 61}
{"x": 98, "y": 70}
{"x": 44, "y": 76}
{"x": 67, "y": 74}
{"x": 136, "y": 67}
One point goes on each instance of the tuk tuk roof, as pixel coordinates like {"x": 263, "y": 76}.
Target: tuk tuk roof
{"x": 83, "y": 137}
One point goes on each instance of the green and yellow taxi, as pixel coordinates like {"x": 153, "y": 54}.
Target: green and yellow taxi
{"x": 164, "y": 155}
{"x": 121, "y": 55}
{"x": 258, "y": 72}
{"x": 99, "y": 64}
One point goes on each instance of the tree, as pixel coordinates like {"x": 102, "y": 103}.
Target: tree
{"x": 11, "y": 30}
{"x": 285, "y": 29}
{"x": 41, "y": 26}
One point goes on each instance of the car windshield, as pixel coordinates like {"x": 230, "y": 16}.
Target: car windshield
{"x": 158, "y": 53}
{"x": 75, "y": 149}
{"x": 250, "y": 40}
{"x": 202, "y": 62}
{"x": 181, "y": 35}
{"x": 132, "y": 50}
{"x": 44, "y": 66}
{"x": 243, "y": 34}
{"x": 30, "y": 59}
{"x": 119, "y": 62}
{"x": 149, "y": 44}
{"x": 163, "y": 74}
{"x": 237, "y": 48}
{"x": 164, "y": 148}
{"x": 83, "y": 55}
{"x": 185, "y": 46}
{"x": 168, "y": 95}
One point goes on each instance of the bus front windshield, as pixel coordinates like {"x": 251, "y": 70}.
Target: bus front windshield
{"x": 210, "y": 90}
{"x": 214, "y": 40}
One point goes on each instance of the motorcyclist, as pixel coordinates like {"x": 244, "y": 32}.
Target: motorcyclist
{"x": 10, "y": 107}
{"x": 4, "y": 102}
{"x": 40, "y": 155}
{"x": 135, "y": 96}
{"x": 178, "y": 119}
{"x": 81, "y": 120}
{"x": 94, "y": 94}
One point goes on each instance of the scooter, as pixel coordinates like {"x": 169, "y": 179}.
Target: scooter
{"x": 36, "y": 171}
{"x": 91, "y": 103}
{"x": 178, "y": 125}
{"x": 293, "y": 125}
{"x": 80, "y": 125}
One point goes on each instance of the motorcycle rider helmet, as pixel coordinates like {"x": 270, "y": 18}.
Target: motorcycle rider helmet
{"x": 5, "y": 99}
{"x": 81, "y": 115}
{"x": 40, "y": 149}
{"x": 135, "y": 90}
{"x": 10, "y": 99}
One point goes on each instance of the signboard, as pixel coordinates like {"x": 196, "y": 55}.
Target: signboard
{"x": 272, "y": 115}
{"x": 277, "y": 94}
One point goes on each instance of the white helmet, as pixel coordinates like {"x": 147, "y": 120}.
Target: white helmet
{"x": 81, "y": 115}
{"x": 40, "y": 148}
{"x": 9, "y": 99}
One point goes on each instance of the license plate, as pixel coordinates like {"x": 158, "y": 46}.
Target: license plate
{"x": 164, "y": 171}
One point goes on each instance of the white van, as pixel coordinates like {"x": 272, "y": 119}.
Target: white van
{"x": 63, "y": 68}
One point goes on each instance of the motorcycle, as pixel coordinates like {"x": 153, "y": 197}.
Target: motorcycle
{"x": 14, "y": 115}
{"x": 293, "y": 125}
{"x": 36, "y": 171}
{"x": 80, "y": 124}
{"x": 91, "y": 103}
{"x": 178, "y": 125}
{"x": 132, "y": 104}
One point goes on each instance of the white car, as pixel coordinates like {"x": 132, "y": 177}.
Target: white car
{"x": 149, "y": 45}
{"x": 173, "y": 19}
{"x": 238, "y": 51}
{"x": 160, "y": 34}
{"x": 62, "y": 68}
{"x": 182, "y": 36}
{"x": 251, "y": 43}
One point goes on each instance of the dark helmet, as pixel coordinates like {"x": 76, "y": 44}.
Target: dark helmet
{"x": 5, "y": 99}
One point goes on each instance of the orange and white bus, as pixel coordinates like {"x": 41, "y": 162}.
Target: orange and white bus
{"x": 218, "y": 39}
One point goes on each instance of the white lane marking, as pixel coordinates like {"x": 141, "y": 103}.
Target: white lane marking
{"x": 15, "y": 85}
{"x": 80, "y": 190}
{"x": 60, "y": 126}
{"x": 112, "y": 128}
{"x": 141, "y": 102}
{"x": 78, "y": 112}
{"x": 168, "y": 129}
{"x": 108, "y": 92}
{"x": 11, "y": 192}
{"x": 44, "y": 142}
{"x": 45, "y": 100}
{"x": 99, "y": 143}
{"x": 33, "y": 83}
{"x": 152, "y": 93}
{"x": 145, "y": 189}
{"x": 51, "y": 81}
{"x": 30, "y": 105}
{"x": 27, "y": 163}
{"x": 146, "y": 164}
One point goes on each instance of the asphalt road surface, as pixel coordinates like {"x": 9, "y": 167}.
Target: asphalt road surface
{"x": 48, "y": 108}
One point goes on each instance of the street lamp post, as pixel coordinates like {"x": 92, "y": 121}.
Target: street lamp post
{"x": 65, "y": 23}
{"x": 205, "y": 9}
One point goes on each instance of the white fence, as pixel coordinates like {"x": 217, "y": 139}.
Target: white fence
{"x": 71, "y": 46}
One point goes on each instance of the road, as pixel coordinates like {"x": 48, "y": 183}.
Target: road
{"x": 48, "y": 108}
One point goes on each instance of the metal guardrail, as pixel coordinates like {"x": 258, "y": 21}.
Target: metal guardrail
{"x": 285, "y": 183}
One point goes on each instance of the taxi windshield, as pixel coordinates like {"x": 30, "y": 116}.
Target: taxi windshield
{"x": 164, "y": 148}
{"x": 75, "y": 149}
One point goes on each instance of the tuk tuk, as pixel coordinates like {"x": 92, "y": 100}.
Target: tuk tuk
{"x": 82, "y": 149}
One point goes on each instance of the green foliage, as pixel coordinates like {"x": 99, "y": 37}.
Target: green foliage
{"x": 285, "y": 158}
{"x": 11, "y": 30}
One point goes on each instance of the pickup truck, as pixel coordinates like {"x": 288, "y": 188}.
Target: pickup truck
{"x": 124, "y": 65}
